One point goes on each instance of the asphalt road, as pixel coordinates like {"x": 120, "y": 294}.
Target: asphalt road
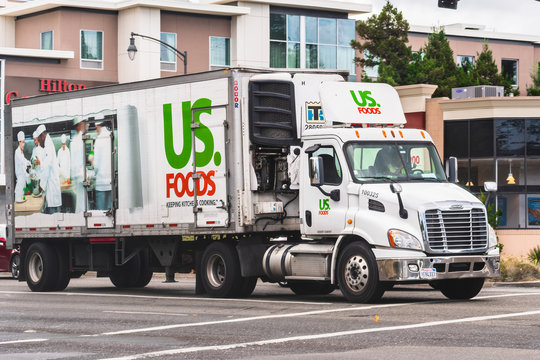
{"x": 93, "y": 320}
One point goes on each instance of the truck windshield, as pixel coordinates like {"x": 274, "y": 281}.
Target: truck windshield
{"x": 394, "y": 162}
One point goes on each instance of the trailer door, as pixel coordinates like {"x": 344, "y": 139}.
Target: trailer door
{"x": 100, "y": 186}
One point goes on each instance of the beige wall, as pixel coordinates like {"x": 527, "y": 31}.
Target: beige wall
{"x": 527, "y": 55}
{"x": 193, "y": 35}
{"x": 66, "y": 26}
{"x": 517, "y": 243}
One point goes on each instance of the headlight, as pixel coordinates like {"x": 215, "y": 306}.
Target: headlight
{"x": 401, "y": 239}
{"x": 492, "y": 238}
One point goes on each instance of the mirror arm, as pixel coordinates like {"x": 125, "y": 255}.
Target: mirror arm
{"x": 334, "y": 194}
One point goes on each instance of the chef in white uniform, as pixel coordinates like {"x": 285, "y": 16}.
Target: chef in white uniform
{"x": 21, "y": 164}
{"x": 64, "y": 160}
{"x": 50, "y": 177}
{"x": 102, "y": 167}
{"x": 77, "y": 164}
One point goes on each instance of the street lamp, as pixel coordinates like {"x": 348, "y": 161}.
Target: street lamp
{"x": 132, "y": 49}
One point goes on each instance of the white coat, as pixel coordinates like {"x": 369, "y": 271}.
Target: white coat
{"x": 50, "y": 178}
{"x": 64, "y": 163}
{"x": 20, "y": 173}
{"x": 77, "y": 171}
{"x": 38, "y": 153}
{"x": 102, "y": 160}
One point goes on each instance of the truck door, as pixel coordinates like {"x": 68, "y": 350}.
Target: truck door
{"x": 100, "y": 184}
{"x": 323, "y": 205}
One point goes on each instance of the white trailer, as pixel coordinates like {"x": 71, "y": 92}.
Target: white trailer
{"x": 240, "y": 174}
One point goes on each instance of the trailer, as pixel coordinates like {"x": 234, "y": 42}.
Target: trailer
{"x": 238, "y": 174}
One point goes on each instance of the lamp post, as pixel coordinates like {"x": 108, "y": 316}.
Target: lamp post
{"x": 132, "y": 49}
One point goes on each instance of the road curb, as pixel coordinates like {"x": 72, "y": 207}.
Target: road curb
{"x": 526, "y": 284}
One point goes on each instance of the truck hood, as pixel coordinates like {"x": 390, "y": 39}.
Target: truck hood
{"x": 421, "y": 194}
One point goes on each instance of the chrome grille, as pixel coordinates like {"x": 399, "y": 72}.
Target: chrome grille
{"x": 456, "y": 230}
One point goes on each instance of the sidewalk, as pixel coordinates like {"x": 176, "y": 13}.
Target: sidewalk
{"x": 528, "y": 284}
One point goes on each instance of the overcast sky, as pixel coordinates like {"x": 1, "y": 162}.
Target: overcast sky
{"x": 506, "y": 16}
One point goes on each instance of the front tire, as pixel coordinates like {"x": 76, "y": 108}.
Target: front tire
{"x": 220, "y": 271}
{"x": 311, "y": 287}
{"x": 460, "y": 289}
{"x": 358, "y": 275}
{"x": 14, "y": 266}
{"x": 41, "y": 267}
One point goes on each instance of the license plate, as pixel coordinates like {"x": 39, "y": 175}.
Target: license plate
{"x": 428, "y": 273}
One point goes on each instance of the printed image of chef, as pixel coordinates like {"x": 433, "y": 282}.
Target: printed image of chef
{"x": 50, "y": 178}
{"x": 78, "y": 164}
{"x": 37, "y": 153}
{"x": 21, "y": 165}
{"x": 64, "y": 160}
{"x": 102, "y": 167}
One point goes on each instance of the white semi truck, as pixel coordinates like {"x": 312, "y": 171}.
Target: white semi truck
{"x": 240, "y": 174}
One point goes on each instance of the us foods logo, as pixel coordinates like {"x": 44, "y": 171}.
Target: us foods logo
{"x": 181, "y": 183}
{"x": 366, "y": 104}
{"x": 324, "y": 206}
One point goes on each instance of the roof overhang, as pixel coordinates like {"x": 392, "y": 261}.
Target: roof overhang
{"x": 490, "y": 107}
{"x": 33, "y": 7}
{"x": 37, "y": 53}
{"x": 469, "y": 31}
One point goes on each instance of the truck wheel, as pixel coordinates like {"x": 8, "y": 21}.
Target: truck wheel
{"x": 357, "y": 274}
{"x": 41, "y": 267}
{"x": 146, "y": 272}
{"x": 311, "y": 287}
{"x": 461, "y": 289}
{"x": 62, "y": 253}
{"x": 247, "y": 287}
{"x": 127, "y": 275}
{"x": 220, "y": 270}
{"x": 14, "y": 264}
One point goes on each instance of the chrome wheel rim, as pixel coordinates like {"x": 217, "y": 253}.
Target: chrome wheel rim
{"x": 356, "y": 273}
{"x": 35, "y": 267}
{"x": 216, "y": 270}
{"x": 15, "y": 267}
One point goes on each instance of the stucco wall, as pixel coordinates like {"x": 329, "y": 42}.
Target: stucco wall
{"x": 517, "y": 243}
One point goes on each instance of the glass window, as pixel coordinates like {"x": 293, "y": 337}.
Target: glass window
{"x": 327, "y": 31}
{"x": 345, "y": 58}
{"x": 220, "y": 51}
{"x": 311, "y": 57}
{"x": 510, "y": 137}
{"x": 533, "y": 137}
{"x": 293, "y": 28}
{"x": 91, "y": 49}
{"x": 482, "y": 170}
{"x": 47, "y": 40}
{"x": 327, "y": 57}
{"x": 465, "y": 61}
{"x": 331, "y": 166}
{"x": 346, "y": 32}
{"x": 510, "y": 173}
{"x": 510, "y": 70}
{"x": 513, "y": 208}
{"x": 293, "y": 55}
{"x": 277, "y": 27}
{"x": 166, "y": 54}
{"x": 456, "y": 139}
{"x": 278, "y": 58}
{"x": 311, "y": 30}
{"x": 481, "y": 138}
{"x": 533, "y": 172}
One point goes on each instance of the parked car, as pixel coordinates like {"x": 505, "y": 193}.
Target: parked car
{"x": 9, "y": 258}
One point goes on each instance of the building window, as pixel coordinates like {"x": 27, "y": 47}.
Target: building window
{"x": 504, "y": 150}
{"x": 91, "y": 49}
{"x": 510, "y": 70}
{"x": 47, "y": 40}
{"x": 220, "y": 51}
{"x": 167, "y": 57}
{"x": 311, "y": 42}
{"x": 466, "y": 62}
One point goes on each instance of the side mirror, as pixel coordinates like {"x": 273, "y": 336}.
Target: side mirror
{"x": 316, "y": 171}
{"x": 452, "y": 170}
{"x": 490, "y": 186}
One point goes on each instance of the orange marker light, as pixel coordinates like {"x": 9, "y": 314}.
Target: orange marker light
{"x": 357, "y": 134}
{"x": 400, "y": 133}
{"x": 392, "y": 132}
{"x": 349, "y": 221}
{"x": 384, "y": 133}
{"x": 424, "y": 136}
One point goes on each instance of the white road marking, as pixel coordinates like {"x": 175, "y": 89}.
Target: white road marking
{"x": 22, "y": 341}
{"x": 321, "y": 336}
{"x": 168, "y": 297}
{"x": 252, "y": 318}
{"x": 143, "y": 313}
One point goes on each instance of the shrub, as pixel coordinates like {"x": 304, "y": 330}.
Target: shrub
{"x": 534, "y": 255}
{"x": 513, "y": 269}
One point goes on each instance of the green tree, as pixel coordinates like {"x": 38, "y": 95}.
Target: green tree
{"x": 385, "y": 39}
{"x": 485, "y": 72}
{"x": 534, "y": 89}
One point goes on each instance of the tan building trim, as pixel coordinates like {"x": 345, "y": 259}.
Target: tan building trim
{"x": 413, "y": 97}
{"x": 352, "y": 8}
{"x": 478, "y": 108}
{"x": 37, "y": 53}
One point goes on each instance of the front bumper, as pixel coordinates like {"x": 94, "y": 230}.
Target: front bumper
{"x": 445, "y": 267}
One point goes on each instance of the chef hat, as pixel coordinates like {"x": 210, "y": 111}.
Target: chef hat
{"x": 100, "y": 123}
{"x": 20, "y": 136}
{"x": 40, "y": 130}
{"x": 63, "y": 138}
{"x": 34, "y": 135}
{"x": 76, "y": 120}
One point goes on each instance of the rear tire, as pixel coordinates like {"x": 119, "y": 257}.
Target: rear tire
{"x": 358, "y": 275}
{"x": 311, "y": 287}
{"x": 127, "y": 275}
{"x": 62, "y": 252}
{"x": 461, "y": 289}
{"x": 220, "y": 271}
{"x": 146, "y": 272}
{"x": 41, "y": 267}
